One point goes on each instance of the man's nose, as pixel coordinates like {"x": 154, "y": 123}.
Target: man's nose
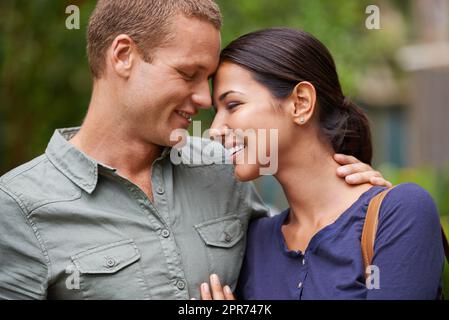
{"x": 202, "y": 97}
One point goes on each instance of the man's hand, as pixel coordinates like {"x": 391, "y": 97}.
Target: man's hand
{"x": 355, "y": 172}
{"x": 218, "y": 292}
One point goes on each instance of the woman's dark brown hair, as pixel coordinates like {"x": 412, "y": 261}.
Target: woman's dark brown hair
{"x": 280, "y": 58}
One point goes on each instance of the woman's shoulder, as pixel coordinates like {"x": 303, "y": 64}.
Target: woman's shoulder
{"x": 410, "y": 194}
{"x": 409, "y": 202}
{"x": 408, "y": 249}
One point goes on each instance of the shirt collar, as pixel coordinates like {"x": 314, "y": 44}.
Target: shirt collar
{"x": 165, "y": 153}
{"x": 279, "y": 222}
{"x": 74, "y": 164}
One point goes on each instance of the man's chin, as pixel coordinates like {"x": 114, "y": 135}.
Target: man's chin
{"x": 177, "y": 138}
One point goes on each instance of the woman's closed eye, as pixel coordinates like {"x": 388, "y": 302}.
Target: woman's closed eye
{"x": 232, "y": 105}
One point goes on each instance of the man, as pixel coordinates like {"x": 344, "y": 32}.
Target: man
{"x": 104, "y": 214}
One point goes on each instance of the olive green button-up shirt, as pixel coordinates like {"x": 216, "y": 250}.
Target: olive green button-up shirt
{"x": 72, "y": 228}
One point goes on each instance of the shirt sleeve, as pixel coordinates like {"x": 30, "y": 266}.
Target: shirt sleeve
{"x": 257, "y": 207}
{"x": 408, "y": 250}
{"x": 23, "y": 267}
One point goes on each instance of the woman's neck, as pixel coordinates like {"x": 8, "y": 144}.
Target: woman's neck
{"x": 316, "y": 195}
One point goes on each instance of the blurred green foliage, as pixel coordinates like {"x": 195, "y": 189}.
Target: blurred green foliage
{"x": 45, "y": 80}
{"x": 44, "y": 76}
{"x": 434, "y": 180}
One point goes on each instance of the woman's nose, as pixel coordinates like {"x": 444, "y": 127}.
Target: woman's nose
{"x": 218, "y": 130}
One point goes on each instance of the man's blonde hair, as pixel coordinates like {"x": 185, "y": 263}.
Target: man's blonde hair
{"x": 147, "y": 22}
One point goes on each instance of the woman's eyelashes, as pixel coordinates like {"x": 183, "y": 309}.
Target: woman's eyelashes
{"x": 232, "y": 105}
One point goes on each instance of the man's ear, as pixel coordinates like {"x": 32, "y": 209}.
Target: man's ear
{"x": 303, "y": 102}
{"x": 122, "y": 55}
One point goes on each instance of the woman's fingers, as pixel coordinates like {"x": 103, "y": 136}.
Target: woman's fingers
{"x": 344, "y": 159}
{"x": 228, "y": 293}
{"x": 360, "y": 178}
{"x": 205, "y": 291}
{"x": 356, "y": 172}
{"x": 359, "y": 167}
{"x": 217, "y": 290}
{"x": 372, "y": 177}
{"x": 379, "y": 181}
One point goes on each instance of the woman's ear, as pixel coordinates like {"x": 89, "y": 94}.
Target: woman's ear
{"x": 304, "y": 99}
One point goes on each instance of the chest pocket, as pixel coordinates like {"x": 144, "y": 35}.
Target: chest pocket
{"x": 111, "y": 271}
{"x": 225, "y": 244}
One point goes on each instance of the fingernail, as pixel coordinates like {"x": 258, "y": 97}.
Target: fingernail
{"x": 214, "y": 279}
{"x": 342, "y": 170}
{"x": 227, "y": 290}
{"x": 205, "y": 287}
{"x": 349, "y": 179}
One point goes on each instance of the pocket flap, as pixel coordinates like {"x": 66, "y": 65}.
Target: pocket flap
{"x": 223, "y": 232}
{"x": 107, "y": 258}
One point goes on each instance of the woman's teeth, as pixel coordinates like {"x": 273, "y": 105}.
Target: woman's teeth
{"x": 236, "y": 149}
{"x": 185, "y": 115}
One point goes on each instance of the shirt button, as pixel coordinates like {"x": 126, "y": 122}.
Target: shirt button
{"x": 181, "y": 285}
{"x": 165, "y": 233}
{"x": 300, "y": 285}
{"x": 160, "y": 190}
{"x": 110, "y": 262}
{"x": 228, "y": 238}
{"x": 303, "y": 261}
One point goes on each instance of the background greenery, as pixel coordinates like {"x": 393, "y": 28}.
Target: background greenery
{"x": 45, "y": 81}
{"x": 44, "y": 76}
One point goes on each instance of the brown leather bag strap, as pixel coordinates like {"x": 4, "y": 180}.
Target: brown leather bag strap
{"x": 445, "y": 244}
{"x": 370, "y": 229}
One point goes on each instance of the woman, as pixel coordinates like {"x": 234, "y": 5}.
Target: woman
{"x": 286, "y": 79}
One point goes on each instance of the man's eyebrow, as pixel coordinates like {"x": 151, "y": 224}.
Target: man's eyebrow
{"x": 199, "y": 66}
{"x": 194, "y": 65}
